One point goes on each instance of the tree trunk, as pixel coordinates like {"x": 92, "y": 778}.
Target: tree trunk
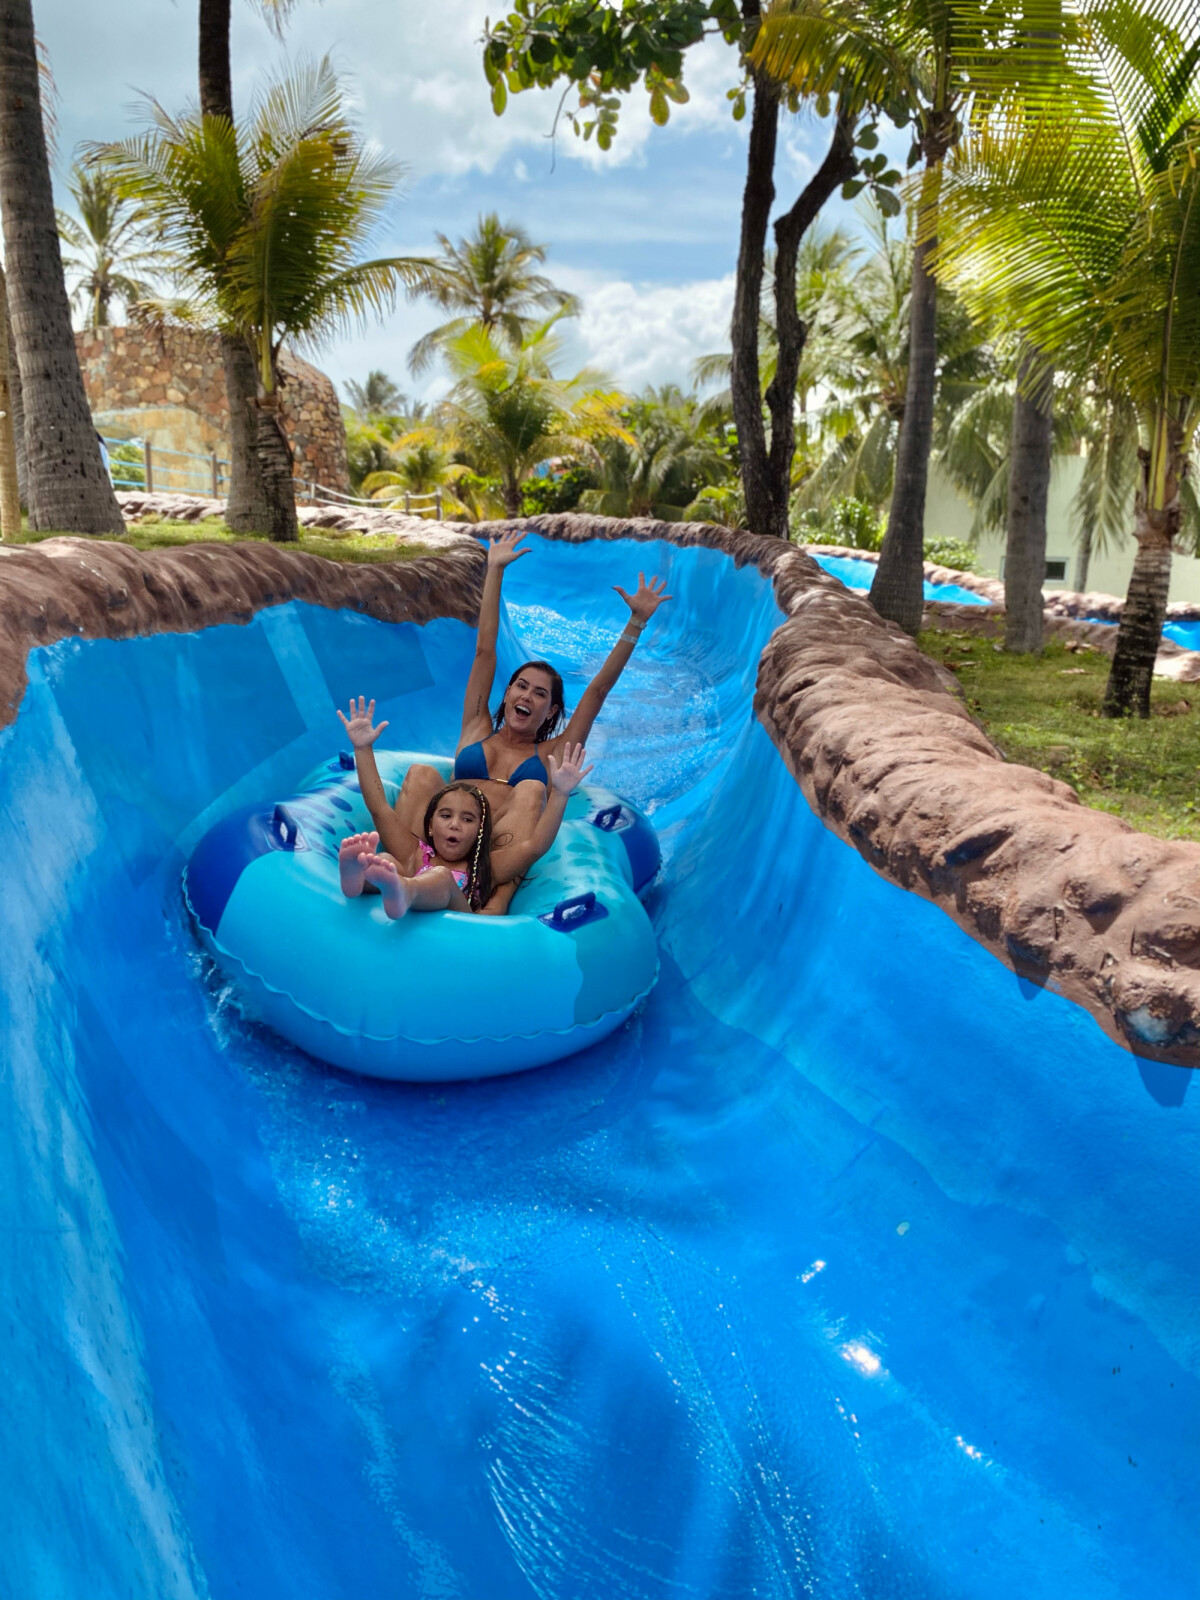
{"x": 898, "y": 589}
{"x": 745, "y": 384}
{"x": 512, "y": 496}
{"x": 69, "y": 489}
{"x": 248, "y": 505}
{"x": 216, "y": 75}
{"x": 14, "y": 391}
{"x": 275, "y": 463}
{"x": 839, "y": 165}
{"x": 1127, "y": 692}
{"x": 1028, "y": 495}
{"x": 1084, "y": 564}
{"x": 10, "y": 492}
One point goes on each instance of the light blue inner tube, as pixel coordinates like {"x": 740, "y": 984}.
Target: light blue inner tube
{"x": 435, "y": 996}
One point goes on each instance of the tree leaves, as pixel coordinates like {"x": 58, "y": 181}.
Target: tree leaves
{"x": 266, "y": 222}
{"x": 605, "y": 51}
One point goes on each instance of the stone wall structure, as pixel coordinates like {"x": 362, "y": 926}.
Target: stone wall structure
{"x": 875, "y": 734}
{"x": 168, "y": 385}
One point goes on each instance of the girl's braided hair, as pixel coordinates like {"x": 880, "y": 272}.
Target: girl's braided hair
{"x": 479, "y": 876}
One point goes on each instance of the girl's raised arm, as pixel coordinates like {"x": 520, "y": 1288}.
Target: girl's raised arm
{"x": 476, "y": 718}
{"x": 362, "y": 733}
{"x": 642, "y": 607}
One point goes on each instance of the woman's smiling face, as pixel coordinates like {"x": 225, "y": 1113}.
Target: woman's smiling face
{"x": 528, "y": 701}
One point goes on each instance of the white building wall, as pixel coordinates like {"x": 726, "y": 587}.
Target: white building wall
{"x": 949, "y": 516}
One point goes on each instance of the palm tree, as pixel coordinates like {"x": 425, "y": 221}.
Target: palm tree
{"x": 1108, "y": 431}
{"x": 10, "y": 478}
{"x": 863, "y": 353}
{"x": 68, "y": 487}
{"x": 659, "y": 468}
{"x": 1031, "y": 460}
{"x": 1083, "y": 232}
{"x": 932, "y": 51}
{"x": 116, "y": 254}
{"x": 823, "y": 276}
{"x": 377, "y": 397}
{"x": 268, "y": 224}
{"x": 375, "y": 420}
{"x": 508, "y": 411}
{"x": 488, "y": 279}
{"x": 422, "y": 462}
{"x": 247, "y": 507}
{"x": 216, "y": 66}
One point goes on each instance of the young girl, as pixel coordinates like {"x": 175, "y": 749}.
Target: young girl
{"x": 452, "y": 863}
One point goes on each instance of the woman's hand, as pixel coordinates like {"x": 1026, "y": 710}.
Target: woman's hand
{"x": 566, "y": 775}
{"x": 358, "y": 724}
{"x": 502, "y": 552}
{"x": 647, "y": 600}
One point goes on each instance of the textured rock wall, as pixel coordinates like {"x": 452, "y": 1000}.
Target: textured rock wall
{"x": 874, "y": 733}
{"x": 129, "y": 371}
{"x": 96, "y": 589}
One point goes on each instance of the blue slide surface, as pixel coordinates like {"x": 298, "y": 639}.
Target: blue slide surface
{"x": 851, "y": 1266}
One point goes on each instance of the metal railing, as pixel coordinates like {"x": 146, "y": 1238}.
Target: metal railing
{"x": 139, "y": 464}
{"x": 415, "y": 505}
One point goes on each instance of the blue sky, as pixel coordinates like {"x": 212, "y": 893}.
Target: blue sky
{"x": 646, "y": 234}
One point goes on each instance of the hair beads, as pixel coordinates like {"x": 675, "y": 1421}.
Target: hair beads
{"x": 473, "y": 884}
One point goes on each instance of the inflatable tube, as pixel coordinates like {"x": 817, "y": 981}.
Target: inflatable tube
{"x": 438, "y": 995}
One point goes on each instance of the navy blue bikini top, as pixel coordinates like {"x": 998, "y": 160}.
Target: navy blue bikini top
{"x": 471, "y": 762}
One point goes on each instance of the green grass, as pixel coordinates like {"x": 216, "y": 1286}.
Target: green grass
{"x": 167, "y": 534}
{"x": 1044, "y": 711}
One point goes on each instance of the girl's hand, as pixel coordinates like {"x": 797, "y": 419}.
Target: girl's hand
{"x": 647, "y": 600}
{"x": 502, "y": 552}
{"x": 358, "y": 724}
{"x": 566, "y": 775}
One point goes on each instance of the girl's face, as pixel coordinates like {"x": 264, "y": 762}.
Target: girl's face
{"x": 454, "y": 826}
{"x": 528, "y": 701}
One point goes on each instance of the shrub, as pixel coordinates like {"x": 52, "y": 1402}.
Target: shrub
{"x": 127, "y": 465}
{"x": 845, "y": 521}
{"x": 953, "y": 553}
{"x": 722, "y": 503}
{"x": 545, "y": 495}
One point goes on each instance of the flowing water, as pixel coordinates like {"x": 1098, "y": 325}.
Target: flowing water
{"x": 852, "y": 1266}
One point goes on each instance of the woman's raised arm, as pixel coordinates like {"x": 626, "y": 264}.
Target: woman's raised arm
{"x": 476, "y": 718}
{"x": 642, "y": 607}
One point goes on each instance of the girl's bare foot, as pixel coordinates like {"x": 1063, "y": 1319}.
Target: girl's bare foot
{"x": 383, "y": 873}
{"x": 350, "y": 866}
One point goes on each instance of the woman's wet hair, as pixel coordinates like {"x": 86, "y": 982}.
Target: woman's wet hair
{"x": 479, "y": 875}
{"x": 555, "y": 720}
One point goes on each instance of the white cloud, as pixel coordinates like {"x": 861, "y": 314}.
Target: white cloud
{"x": 424, "y": 94}
{"x": 659, "y": 204}
{"x": 416, "y": 67}
{"x": 638, "y": 333}
{"x": 652, "y": 333}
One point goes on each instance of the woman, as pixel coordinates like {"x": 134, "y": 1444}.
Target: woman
{"x": 507, "y": 755}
